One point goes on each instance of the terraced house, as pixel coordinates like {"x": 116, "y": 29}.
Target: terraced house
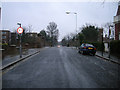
{"x": 117, "y": 23}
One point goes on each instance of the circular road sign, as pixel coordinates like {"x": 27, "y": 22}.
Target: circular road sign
{"x": 20, "y": 30}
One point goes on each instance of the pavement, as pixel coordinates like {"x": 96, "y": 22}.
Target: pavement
{"x": 106, "y": 56}
{"x": 62, "y": 67}
{"x": 11, "y": 58}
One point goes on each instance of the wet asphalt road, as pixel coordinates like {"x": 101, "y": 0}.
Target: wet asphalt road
{"x": 62, "y": 67}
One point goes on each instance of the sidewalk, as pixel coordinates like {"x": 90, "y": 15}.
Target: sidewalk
{"x": 105, "y": 56}
{"x": 8, "y": 59}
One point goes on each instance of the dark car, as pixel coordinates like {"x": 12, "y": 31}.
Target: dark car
{"x": 87, "y": 49}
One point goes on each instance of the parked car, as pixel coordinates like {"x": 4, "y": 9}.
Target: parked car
{"x": 86, "y": 48}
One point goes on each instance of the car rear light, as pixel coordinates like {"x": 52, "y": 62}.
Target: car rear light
{"x": 84, "y": 47}
{"x": 94, "y": 48}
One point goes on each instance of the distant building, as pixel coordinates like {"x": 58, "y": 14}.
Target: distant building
{"x": 117, "y": 23}
{"x": 32, "y": 34}
{"x": 13, "y": 39}
{"x": 5, "y": 36}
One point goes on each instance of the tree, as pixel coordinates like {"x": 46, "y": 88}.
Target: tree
{"x": 80, "y": 38}
{"x": 90, "y": 33}
{"x": 53, "y": 32}
{"x": 42, "y": 33}
{"x": 69, "y": 40}
{"x": 64, "y": 41}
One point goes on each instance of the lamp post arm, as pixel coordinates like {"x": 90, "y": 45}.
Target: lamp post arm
{"x": 76, "y": 23}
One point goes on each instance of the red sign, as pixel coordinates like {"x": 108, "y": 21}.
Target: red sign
{"x": 20, "y": 30}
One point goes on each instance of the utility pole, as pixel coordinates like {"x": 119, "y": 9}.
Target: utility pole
{"x": 76, "y": 30}
{"x": 68, "y": 12}
{"x": 102, "y": 42}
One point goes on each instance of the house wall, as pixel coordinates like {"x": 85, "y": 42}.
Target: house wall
{"x": 5, "y": 36}
{"x": 117, "y": 23}
{"x": 117, "y": 31}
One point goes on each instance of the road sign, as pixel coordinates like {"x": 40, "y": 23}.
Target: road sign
{"x": 20, "y": 30}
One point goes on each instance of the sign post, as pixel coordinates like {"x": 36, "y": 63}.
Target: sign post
{"x": 20, "y": 31}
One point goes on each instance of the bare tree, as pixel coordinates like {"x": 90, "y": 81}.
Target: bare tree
{"x": 107, "y": 27}
{"x": 53, "y": 32}
{"x": 29, "y": 28}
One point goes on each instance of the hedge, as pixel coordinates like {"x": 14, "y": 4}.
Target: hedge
{"x": 115, "y": 47}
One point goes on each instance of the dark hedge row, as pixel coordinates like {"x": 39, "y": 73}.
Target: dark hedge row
{"x": 115, "y": 47}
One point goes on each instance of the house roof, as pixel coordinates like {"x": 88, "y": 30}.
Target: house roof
{"x": 5, "y": 30}
{"x": 118, "y": 11}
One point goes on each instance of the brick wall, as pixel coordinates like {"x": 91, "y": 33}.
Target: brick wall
{"x": 117, "y": 31}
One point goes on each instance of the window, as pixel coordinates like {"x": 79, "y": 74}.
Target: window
{"x": 89, "y": 45}
{"x": 3, "y": 37}
{"x": 3, "y": 32}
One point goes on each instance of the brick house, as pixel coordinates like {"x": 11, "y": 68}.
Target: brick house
{"x": 117, "y": 23}
{"x": 5, "y": 36}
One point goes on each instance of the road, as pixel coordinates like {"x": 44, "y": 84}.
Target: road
{"x": 62, "y": 67}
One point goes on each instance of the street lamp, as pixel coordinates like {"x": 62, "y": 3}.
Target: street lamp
{"x": 109, "y": 40}
{"x": 68, "y": 12}
{"x": 19, "y": 24}
{"x": 20, "y": 42}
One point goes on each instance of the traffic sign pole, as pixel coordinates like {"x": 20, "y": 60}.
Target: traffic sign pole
{"x": 20, "y": 31}
{"x": 20, "y": 47}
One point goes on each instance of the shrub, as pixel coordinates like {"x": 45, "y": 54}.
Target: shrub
{"x": 115, "y": 46}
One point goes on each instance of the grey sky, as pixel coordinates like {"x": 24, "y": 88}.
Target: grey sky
{"x": 39, "y": 14}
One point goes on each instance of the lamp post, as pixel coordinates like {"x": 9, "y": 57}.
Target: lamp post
{"x": 20, "y": 42}
{"x": 102, "y": 42}
{"x": 68, "y": 12}
{"x": 109, "y": 40}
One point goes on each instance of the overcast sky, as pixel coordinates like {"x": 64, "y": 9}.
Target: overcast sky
{"x": 39, "y": 14}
